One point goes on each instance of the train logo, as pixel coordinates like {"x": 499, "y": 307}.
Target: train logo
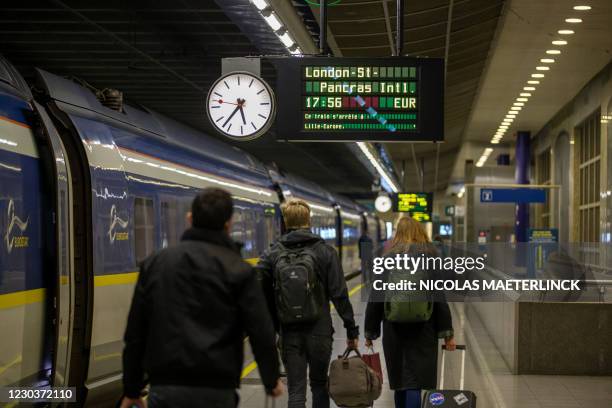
{"x": 117, "y": 223}
{"x": 15, "y": 230}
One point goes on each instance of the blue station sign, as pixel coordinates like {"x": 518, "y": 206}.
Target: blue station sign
{"x": 512, "y": 195}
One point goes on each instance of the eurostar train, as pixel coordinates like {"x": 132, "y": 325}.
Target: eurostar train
{"x": 86, "y": 193}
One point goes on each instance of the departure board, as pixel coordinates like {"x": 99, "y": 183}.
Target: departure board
{"x": 418, "y": 205}
{"x": 359, "y": 99}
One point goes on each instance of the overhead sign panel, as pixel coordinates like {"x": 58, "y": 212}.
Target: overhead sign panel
{"x": 417, "y": 204}
{"x": 398, "y": 99}
{"x": 512, "y": 195}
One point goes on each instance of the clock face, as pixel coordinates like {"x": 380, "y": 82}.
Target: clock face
{"x": 241, "y": 105}
{"x": 382, "y": 203}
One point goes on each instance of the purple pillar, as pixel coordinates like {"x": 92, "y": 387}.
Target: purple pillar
{"x": 521, "y": 175}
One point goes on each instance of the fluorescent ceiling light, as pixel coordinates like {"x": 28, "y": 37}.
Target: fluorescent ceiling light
{"x": 543, "y": 68}
{"x": 518, "y": 104}
{"x": 553, "y": 52}
{"x": 488, "y": 150}
{"x": 296, "y": 51}
{"x": 533, "y": 82}
{"x": 260, "y": 4}
{"x": 516, "y": 108}
{"x": 537, "y": 75}
{"x": 573, "y": 20}
{"x": 582, "y": 8}
{"x": 522, "y": 99}
{"x": 273, "y": 22}
{"x": 547, "y": 60}
{"x": 527, "y": 94}
{"x": 377, "y": 166}
{"x": 503, "y": 127}
{"x": 506, "y": 121}
{"x": 286, "y": 40}
{"x": 494, "y": 141}
{"x": 565, "y": 32}
{"x": 559, "y": 42}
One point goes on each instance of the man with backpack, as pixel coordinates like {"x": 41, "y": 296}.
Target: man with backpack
{"x": 300, "y": 275}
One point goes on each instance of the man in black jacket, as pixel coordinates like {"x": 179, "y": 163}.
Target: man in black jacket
{"x": 307, "y": 345}
{"x": 192, "y": 305}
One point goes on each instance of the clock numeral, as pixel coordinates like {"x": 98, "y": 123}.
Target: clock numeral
{"x": 239, "y": 81}
{"x": 226, "y": 85}
{"x": 218, "y": 94}
{"x": 216, "y": 106}
{"x": 229, "y": 127}
{"x": 264, "y": 103}
{"x": 251, "y": 83}
{"x": 254, "y": 127}
{"x": 219, "y": 118}
{"x": 241, "y": 132}
{"x": 260, "y": 92}
{"x": 260, "y": 115}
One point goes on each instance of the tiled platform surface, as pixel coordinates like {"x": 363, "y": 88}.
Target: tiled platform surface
{"x": 486, "y": 374}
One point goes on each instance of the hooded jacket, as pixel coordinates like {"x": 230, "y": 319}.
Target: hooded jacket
{"x": 192, "y": 305}
{"x": 330, "y": 273}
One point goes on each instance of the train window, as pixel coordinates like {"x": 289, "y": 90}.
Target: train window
{"x": 171, "y": 223}
{"x": 144, "y": 227}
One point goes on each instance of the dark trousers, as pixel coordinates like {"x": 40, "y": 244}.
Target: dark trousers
{"x": 180, "y": 396}
{"x": 407, "y": 398}
{"x": 301, "y": 353}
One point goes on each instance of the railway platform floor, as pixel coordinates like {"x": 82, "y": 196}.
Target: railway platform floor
{"x": 486, "y": 372}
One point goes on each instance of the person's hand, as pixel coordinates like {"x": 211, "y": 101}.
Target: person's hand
{"x": 368, "y": 343}
{"x": 352, "y": 343}
{"x": 278, "y": 390}
{"x": 450, "y": 344}
{"x": 131, "y": 402}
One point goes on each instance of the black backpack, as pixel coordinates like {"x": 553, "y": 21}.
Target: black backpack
{"x": 298, "y": 290}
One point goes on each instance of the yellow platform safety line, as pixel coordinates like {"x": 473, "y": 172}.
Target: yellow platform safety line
{"x": 115, "y": 279}
{"x": 24, "y": 297}
{"x": 252, "y": 365}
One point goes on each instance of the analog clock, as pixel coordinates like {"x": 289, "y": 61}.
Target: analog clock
{"x": 241, "y": 105}
{"x": 383, "y": 203}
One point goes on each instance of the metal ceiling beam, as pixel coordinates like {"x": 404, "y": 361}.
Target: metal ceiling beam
{"x": 388, "y": 26}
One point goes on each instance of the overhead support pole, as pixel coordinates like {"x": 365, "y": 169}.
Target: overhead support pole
{"x": 399, "y": 39}
{"x": 323, "y": 50}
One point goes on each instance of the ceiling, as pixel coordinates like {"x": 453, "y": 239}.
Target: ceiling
{"x": 164, "y": 54}
{"x": 526, "y": 33}
{"x": 366, "y": 28}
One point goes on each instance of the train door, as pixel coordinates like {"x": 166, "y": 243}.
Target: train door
{"x": 61, "y": 291}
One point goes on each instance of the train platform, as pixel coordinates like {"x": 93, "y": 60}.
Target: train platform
{"x": 486, "y": 372}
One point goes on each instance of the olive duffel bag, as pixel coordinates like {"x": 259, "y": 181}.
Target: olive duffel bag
{"x": 351, "y": 383}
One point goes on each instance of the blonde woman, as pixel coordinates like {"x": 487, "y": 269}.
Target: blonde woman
{"x": 410, "y": 344}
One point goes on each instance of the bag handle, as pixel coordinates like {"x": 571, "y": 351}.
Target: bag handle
{"x": 462, "y": 377}
{"x": 347, "y": 352}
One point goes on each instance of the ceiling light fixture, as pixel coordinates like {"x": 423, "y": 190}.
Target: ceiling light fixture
{"x": 522, "y": 99}
{"x": 566, "y": 32}
{"x": 559, "y": 42}
{"x": 516, "y": 108}
{"x": 518, "y": 104}
{"x": 533, "y": 82}
{"x": 547, "y": 60}
{"x": 525, "y": 94}
{"x": 573, "y": 20}
{"x": 543, "y": 68}
{"x": 273, "y": 21}
{"x": 582, "y": 8}
{"x": 553, "y": 52}
{"x": 537, "y": 75}
{"x": 260, "y": 4}
{"x": 286, "y": 40}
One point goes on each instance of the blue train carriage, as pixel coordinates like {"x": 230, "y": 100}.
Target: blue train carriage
{"x": 24, "y": 248}
{"x": 134, "y": 174}
{"x": 350, "y": 226}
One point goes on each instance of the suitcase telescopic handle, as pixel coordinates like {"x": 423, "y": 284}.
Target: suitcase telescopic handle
{"x": 462, "y": 377}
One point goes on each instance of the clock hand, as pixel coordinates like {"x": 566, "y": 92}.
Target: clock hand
{"x": 242, "y": 113}
{"x": 222, "y": 101}
{"x": 231, "y": 116}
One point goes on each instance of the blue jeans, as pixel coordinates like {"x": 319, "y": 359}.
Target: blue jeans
{"x": 408, "y": 399}
{"x": 179, "y": 396}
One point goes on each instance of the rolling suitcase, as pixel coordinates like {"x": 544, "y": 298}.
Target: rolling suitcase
{"x": 442, "y": 398}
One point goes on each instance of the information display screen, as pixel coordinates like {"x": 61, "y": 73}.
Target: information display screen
{"x": 360, "y": 99}
{"x": 417, "y": 204}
